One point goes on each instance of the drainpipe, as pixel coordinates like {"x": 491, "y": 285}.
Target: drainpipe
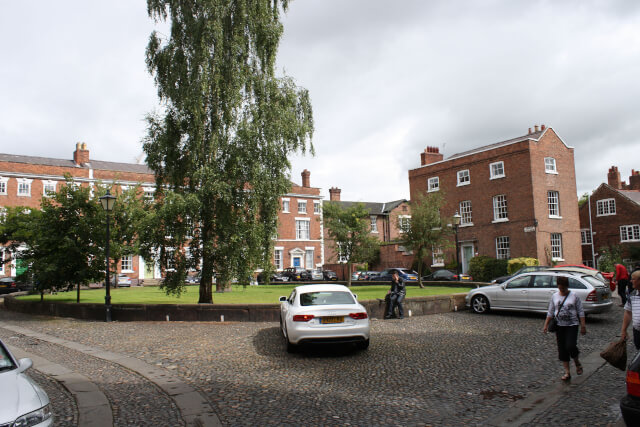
{"x": 593, "y": 253}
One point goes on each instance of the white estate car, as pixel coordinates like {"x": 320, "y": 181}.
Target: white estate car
{"x": 22, "y": 402}
{"x": 323, "y": 313}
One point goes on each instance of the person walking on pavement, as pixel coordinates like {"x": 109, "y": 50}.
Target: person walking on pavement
{"x": 632, "y": 311}
{"x": 396, "y": 296}
{"x": 622, "y": 280}
{"x": 566, "y": 307}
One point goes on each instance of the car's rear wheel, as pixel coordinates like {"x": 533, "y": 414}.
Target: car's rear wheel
{"x": 291, "y": 348}
{"x": 362, "y": 345}
{"x": 480, "y": 304}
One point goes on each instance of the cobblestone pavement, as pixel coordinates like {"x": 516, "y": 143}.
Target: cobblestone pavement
{"x": 447, "y": 369}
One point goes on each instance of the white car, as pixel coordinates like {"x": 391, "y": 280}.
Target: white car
{"x": 22, "y": 401}
{"x": 323, "y": 313}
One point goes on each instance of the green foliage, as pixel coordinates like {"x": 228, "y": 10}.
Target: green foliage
{"x": 609, "y": 257}
{"x": 583, "y": 200}
{"x": 426, "y": 230}
{"x": 516, "y": 264}
{"x": 349, "y": 229}
{"x": 220, "y": 150}
{"x": 484, "y": 268}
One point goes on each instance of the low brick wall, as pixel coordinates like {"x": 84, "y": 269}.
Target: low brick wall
{"x": 214, "y": 312}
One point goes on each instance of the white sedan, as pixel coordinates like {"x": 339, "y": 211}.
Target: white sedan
{"x": 323, "y": 314}
{"x": 22, "y": 402}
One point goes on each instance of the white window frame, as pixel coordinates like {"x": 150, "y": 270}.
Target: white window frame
{"x": 286, "y": 202}
{"x": 464, "y": 178}
{"x": 317, "y": 207}
{"x": 605, "y": 207}
{"x": 278, "y": 257}
{"x": 126, "y": 261}
{"x": 374, "y": 223}
{"x": 585, "y": 236}
{"x": 4, "y": 185}
{"x": 301, "y": 231}
{"x": 553, "y": 203}
{"x": 556, "y": 247}
{"x": 437, "y": 256}
{"x": 500, "y": 205}
{"x": 496, "y": 170}
{"x": 630, "y": 233}
{"x": 21, "y": 182}
{"x": 171, "y": 264}
{"x": 466, "y": 213}
{"x": 550, "y": 165}
{"x": 405, "y": 222}
{"x": 302, "y": 206}
{"x": 309, "y": 254}
{"x": 503, "y": 247}
{"x": 48, "y": 183}
{"x": 433, "y": 184}
{"x": 148, "y": 193}
{"x": 2, "y": 260}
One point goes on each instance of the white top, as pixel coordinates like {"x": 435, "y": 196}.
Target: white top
{"x": 571, "y": 311}
{"x": 633, "y": 305}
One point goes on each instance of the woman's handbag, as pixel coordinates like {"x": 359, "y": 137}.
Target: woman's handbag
{"x": 616, "y": 354}
{"x": 553, "y": 323}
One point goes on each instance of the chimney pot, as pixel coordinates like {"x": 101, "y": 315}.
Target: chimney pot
{"x": 305, "y": 178}
{"x": 537, "y": 128}
{"x": 543, "y": 127}
{"x": 334, "y": 194}
{"x": 530, "y": 131}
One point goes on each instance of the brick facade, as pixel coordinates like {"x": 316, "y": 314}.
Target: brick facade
{"x": 525, "y": 184}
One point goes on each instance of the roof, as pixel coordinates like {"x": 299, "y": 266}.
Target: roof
{"x": 534, "y": 136}
{"x": 633, "y": 195}
{"x": 94, "y": 164}
{"x": 373, "y": 207}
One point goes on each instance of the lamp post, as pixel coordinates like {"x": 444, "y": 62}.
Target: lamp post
{"x": 107, "y": 202}
{"x": 456, "y": 223}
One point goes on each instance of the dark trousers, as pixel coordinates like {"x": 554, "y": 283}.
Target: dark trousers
{"x": 623, "y": 285}
{"x": 567, "y": 338}
{"x": 395, "y": 300}
{"x": 636, "y": 338}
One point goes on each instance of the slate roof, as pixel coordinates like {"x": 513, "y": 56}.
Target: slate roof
{"x": 373, "y": 207}
{"x": 634, "y": 195}
{"x": 94, "y": 164}
{"x": 534, "y": 136}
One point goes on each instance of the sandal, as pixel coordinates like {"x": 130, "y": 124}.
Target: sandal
{"x": 579, "y": 369}
{"x": 566, "y": 377}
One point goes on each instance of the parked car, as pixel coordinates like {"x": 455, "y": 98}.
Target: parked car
{"x": 296, "y": 274}
{"x": 368, "y": 275}
{"x": 24, "y": 403}
{"x": 405, "y": 274}
{"x": 8, "y": 285}
{"x": 316, "y": 275}
{"x": 533, "y": 291}
{"x": 323, "y": 314}
{"x": 584, "y": 270}
{"x": 329, "y": 275}
{"x": 356, "y": 275}
{"x": 193, "y": 279}
{"x": 121, "y": 281}
{"x": 630, "y": 403}
{"x": 447, "y": 276}
{"x": 275, "y": 277}
{"x": 525, "y": 269}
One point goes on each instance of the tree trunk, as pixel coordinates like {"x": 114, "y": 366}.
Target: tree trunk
{"x": 78, "y": 295}
{"x": 420, "y": 272}
{"x": 349, "y": 274}
{"x": 206, "y": 294}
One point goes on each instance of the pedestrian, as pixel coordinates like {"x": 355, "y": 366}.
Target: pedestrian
{"x": 566, "y": 307}
{"x": 622, "y": 280}
{"x": 396, "y": 296}
{"x": 632, "y": 311}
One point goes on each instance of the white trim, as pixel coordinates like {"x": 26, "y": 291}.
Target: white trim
{"x": 500, "y": 220}
{"x": 491, "y": 175}
{"x": 470, "y": 224}
{"x": 296, "y": 240}
{"x": 23, "y": 181}
{"x": 555, "y": 217}
{"x": 46, "y": 182}
{"x": 304, "y": 196}
{"x": 436, "y": 179}
{"x": 4, "y": 180}
{"x": 553, "y": 171}
{"x": 615, "y": 207}
{"x": 460, "y": 184}
{"x": 303, "y": 218}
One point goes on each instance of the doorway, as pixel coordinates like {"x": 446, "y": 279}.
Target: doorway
{"x": 467, "y": 253}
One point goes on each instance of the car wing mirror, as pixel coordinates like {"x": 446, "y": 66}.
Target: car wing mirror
{"x": 503, "y": 286}
{"x": 24, "y": 364}
{"x": 283, "y": 299}
{"x": 355, "y": 296}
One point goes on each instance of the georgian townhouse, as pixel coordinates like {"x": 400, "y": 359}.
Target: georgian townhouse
{"x": 24, "y": 180}
{"x": 611, "y": 217}
{"x": 515, "y": 198}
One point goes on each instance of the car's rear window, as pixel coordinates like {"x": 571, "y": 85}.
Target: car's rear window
{"x": 326, "y": 298}
{"x": 407, "y": 271}
{"x": 594, "y": 282}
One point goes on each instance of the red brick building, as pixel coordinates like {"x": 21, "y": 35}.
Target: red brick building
{"x": 516, "y": 198}
{"x": 611, "y": 217}
{"x": 24, "y": 180}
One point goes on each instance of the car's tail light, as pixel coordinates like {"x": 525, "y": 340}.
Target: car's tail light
{"x": 455, "y": 276}
{"x": 302, "y": 317}
{"x": 358, "y": 316}
{"x": 633, "y": 383}
{"x": 592, "y": 296}
{"x": 470, "y": 278}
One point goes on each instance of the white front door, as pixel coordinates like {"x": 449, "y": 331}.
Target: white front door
{"x": 467, "y": 254}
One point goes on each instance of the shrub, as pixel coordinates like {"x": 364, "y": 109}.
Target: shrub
{"x": 517, "y": 263}
{"x": 484, "y": 268}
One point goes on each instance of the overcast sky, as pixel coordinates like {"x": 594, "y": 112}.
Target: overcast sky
{"x": 386, "y": 80}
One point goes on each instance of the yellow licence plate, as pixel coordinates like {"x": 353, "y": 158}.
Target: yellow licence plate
{"x": 605, "y": 296}
{"x": 332, "y": 319}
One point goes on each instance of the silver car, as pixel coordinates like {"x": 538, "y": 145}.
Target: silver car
{"x": 533, "y": 291}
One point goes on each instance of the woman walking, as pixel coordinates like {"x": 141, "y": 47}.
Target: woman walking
{"x": 567, "y": 309}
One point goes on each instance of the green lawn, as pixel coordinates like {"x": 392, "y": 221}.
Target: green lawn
{"x": 239, "y": 295}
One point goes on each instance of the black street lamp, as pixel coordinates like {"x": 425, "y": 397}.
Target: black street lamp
{"x": 456, "y": 223}
{"x": 107, "y": 202}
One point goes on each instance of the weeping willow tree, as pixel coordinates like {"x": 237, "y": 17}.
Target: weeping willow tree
{"x": 220, "y": 145}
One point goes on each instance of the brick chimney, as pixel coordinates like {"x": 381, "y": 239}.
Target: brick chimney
{"x": 634, "y": 180}
{"x": 81, "y": 155}
{"x": 430, "y": 155}
{"x": 305, "y": 178}
{"x": 334, "y": 194}
{"x": 613, "y": 178}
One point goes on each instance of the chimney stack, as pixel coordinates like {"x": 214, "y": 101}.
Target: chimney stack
{"x": 537, "y": 128}
{"x": 305, "y": 178}
{"x": 81, "y": 155}
{"x": 634, "y": 180}
{"x": 529, "y": 132}
{"x": 543, "y": 127}
{"x": 613, "y": 178}
{"x": 334, "y": 194}
{"x": 430, "y": 155}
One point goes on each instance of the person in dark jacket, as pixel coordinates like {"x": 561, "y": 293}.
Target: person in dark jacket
{"x": 396, "y": 296}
